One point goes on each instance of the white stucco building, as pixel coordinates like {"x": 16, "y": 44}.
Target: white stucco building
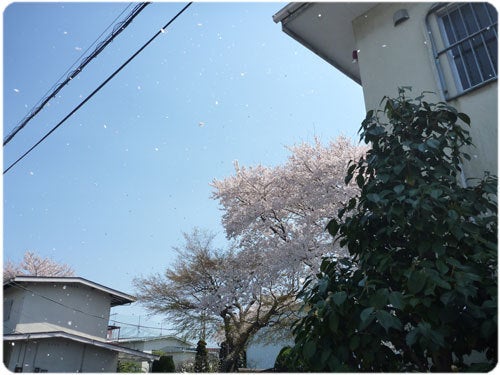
{"x": 59, "y": 324}
{"x": 446, "y": 48}
{"x": 180, "y": 350}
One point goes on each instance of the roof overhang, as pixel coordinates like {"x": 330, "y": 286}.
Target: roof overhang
{"x": 117, "y": 297}
{"x": 154, "y": 338}
{"x": 326, "y": 29}
{"x": 125, "y": 352}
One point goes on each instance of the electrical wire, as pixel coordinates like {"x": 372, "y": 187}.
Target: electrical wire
{"x": 52, "y": 88}
{"x": 162, "y": 30}
{"x": 20, "y": 286}
{"x": 116, "y": 31}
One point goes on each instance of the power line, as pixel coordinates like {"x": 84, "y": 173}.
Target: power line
{"x": 116, "y": 31}
{"x": 18, "y": 285}
{"x": 71, "y": 67}
{"x": 162, "y": 30}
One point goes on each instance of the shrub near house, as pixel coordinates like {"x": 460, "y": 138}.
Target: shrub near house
{"x": 419, "y": 292}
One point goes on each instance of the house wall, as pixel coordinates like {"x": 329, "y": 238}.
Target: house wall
{"x": 59, "y": 355}
{"x": 42, "y": 306}
{"x": 393, "y": 56}
{"x": 170, "y": 345}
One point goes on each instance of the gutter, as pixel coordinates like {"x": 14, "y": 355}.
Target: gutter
{"x": 287, "y": 11}
{"x": 81, "y": 339}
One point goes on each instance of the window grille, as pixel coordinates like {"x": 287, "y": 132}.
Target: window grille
{"x": 467, "y": 52}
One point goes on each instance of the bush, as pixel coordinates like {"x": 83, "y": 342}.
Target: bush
{"x": 419, "y": 290}
{"x": 284, "y": 363}
{"x": 129, "y": 367}
{"x": 201, "y": 358}
{"x": 164, "y": 364}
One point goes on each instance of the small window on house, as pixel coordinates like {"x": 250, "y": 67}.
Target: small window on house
{"x": 466, "y": 55}
{"x": 7, "y": 307}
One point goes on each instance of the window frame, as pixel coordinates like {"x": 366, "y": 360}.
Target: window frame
{"x": 442, "y": 50}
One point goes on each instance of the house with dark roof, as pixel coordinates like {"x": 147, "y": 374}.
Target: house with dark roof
{"x": 59, "y": 324}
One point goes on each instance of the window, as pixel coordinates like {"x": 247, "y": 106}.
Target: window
{"x": 466, "y": 55}
{"x": 7, "y": 307}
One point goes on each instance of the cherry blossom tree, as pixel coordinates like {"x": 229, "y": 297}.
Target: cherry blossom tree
{"x": 275, "y": 219}
{"x": 282, "y": 211}
{"x": 35, "y": 265}
{"x": 222, "y": 294}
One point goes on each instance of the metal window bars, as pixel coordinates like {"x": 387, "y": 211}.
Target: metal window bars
{"x": 469, "y": 46}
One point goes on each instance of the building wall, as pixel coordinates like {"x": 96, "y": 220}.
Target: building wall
{"x": 59, "y": 355}
{"x": 169, "y": 345}
{"x": 73, "y": 307}
{"x": 393, "y": 56}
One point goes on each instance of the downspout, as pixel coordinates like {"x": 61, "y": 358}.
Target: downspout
{"x": 435, "y": 56}
{"x": 36, "y": 354}
{"x": 83, "y": 357}
{"x": 25, "y": 350}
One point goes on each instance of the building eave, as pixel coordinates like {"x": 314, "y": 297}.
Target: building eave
{"x": 132, "y": 353}
{"x": 156, "y": 338}
{"x": 325, "y": 28}
{"x": 117, "y": 298}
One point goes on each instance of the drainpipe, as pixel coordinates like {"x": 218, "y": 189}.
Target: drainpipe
{"x": 25, "y": 350}
{"x": 83, "y": 357}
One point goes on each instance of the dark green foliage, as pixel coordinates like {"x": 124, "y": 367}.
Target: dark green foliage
{"x": 419, "y": 291}
{"x": 129, "y": 367}
{"x": 284, "y": 362}
{"x": 201, "y": 358}
{"x": 280, "y": 365}
{"x": 164, "y": 364}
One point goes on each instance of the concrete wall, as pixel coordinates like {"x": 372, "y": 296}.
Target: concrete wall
{"x": 73, "y": 307}
{"x": 393, "y": 56}
{"x": 59, "y": 355}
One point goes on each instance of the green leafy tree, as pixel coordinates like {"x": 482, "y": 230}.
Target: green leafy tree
{"x": 201, "y": 358}
{"x": 419, "y": 289}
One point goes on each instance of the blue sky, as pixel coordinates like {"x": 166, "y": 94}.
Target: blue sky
{"x": 111, "y": 191}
